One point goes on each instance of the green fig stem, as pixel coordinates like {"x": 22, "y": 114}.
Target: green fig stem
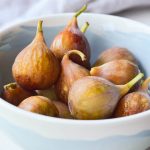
{"x": 39, "y": 27}
{"x": 84, "y": 27}
{"x": 81, "y": 11}
{"x": 82, "y": 56}
{"x": 125, "y": 88}
{"x": 10, "y": 85}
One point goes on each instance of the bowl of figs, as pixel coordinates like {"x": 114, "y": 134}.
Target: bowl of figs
{"x": 76, "y": 81}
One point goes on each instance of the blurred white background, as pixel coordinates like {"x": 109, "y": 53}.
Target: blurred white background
{"x": 12, "y": 10}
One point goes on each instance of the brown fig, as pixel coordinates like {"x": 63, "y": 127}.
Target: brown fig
{"x": 70, "y": 72}
{"x": 96, "y": 98}
{"x": 36, "y": 67}
{"x": 115, "y": 53}
{"x": 145, "y": 84}
{"x": 117, "y": 71}
{"x": 63, "y": 110}
{"x": 132, "y": 103}
{"x": 15, "y": 94}
{"x": 39, "y": 105}
{"x": 49, "y": 93}
{"x": 72, "y": 38}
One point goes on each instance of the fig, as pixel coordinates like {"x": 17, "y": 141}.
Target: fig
{"x": 115, "y": 53}
{"x": 49, "y": 93}
{"x": 117, "y": 71}
{"x": 15, "y": 94}
{"x": 63, "y": 110}
{"x": 145, "y": 84}
{"x": 72, "y": 38}
{"x": 132, "y": 103}
{"x": 36, "y": 67}
{"x": 40, "y": 105}
{"x": 95, "y": 97}
{"x": 70, "y": 72}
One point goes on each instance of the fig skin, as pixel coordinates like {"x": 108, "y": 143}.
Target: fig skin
{"x": 115, "y": 53}
{"x": 70, "y": 72}
{"x": 145, "y": 84}
{"x": 63, "y": 110}
{"x": 132, "y": 103}
{"x": 49, "y": 93}
{"x": 96, "y": 98}
{"x": 117, "y": 71}
{"x": 15, "y": 94}
{"x": 69, "y": 39}
{"x": 40, "y": 105}
{"x": 36, "y": 67}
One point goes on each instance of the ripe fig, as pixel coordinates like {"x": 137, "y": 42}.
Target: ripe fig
{"x": 70, "y": 72}
{"x": 63, "y": 110}
{"x": 72, "y": 38}
{"x": 115, "y": 53}
{"x": 15, "y": 94}
{"x": 40, "y": 105}
{"x": 95, "y": 97}
{"x": 35, "y": 67}
{"x": 132, "y": 103}
{"x": 117, "y": 71}
{"x": 49, "y": 93}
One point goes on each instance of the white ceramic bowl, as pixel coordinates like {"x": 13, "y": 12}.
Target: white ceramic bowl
{"x": 39, "y": 132}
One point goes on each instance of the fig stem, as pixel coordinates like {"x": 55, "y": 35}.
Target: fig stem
{"x": 125, "y": 88}
{"x": 81, "y": 11}
{"x": 82, "y": 56}
{"x": 10, "y": 85}
{"x": 84, "y": 27}
{"x": 39, "y": 27}
{"x": 146, "y": 83}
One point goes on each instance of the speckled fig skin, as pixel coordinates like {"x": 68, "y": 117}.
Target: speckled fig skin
{"x": 95, "y": 97}
{"x": 40, "y": 105}
{"x": 70, "y": 72}
{"x": 115, "y": 53}
{"x": 36, "y": 67}
{"x": 69, "y": 39}
{"x": 15, "y": 94}
{"x": 132, "y": 103}
{"x": 63, "y": 110}
{"x": 117, "y": 71}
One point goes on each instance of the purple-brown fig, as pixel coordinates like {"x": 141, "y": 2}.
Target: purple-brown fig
{"x": 63, "y": 110}
{"x": 36, "y": 67}
{"x": 95, "y": 97}
{"x": 118, "y": 71}
{"x": 40, "y": 105}
{"x": 72, "y": 38}
{"x": 115, "y": 53}
{"x": 132, "y": 103}
{"x": 15, "y": 94}
{"x": 70, "y": 72}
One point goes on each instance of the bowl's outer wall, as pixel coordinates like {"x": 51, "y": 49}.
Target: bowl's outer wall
{"x": 104, "y": 32}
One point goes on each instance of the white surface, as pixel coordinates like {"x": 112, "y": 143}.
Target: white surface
{"x": 19, "y": 9}
{"x": 140, "y": 15}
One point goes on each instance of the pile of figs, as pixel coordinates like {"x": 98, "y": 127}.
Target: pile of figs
{"x": 60, "y": 82}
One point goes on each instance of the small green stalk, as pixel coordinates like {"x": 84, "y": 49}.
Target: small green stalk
{"x": 81, "y": 11}
{"x": 84, "y": 27}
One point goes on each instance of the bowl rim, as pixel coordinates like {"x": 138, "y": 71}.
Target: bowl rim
{"x": 39, "y": 117}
